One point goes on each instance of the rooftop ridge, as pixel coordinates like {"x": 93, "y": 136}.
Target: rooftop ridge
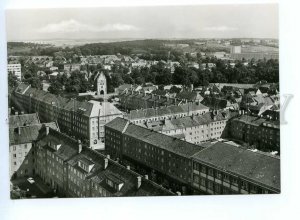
{"x": 126, "y": 170}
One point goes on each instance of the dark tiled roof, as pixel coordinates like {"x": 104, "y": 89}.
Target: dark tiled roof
{"x": 27, "y": 134}
{"x": 119, "y": 175}
{"x": 161, "y": 111}
{"x": 23, "y": 120}
{"x": 189, "y": 95}
{"x": 257, "y": 121}
{"x": 83, "y": 106}
{"x": 117, "y": 124}
{"x": 162, "y": 141}
{"x": 69, "y": 146}
{"x": 215, "y": 103}
{"x": 253, "y": 166}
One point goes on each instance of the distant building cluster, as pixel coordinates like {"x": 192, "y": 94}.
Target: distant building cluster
{"x": 237, "y": 53}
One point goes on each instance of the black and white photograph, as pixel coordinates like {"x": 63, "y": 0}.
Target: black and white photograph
{"x": 104, "y": 104}
{"x": 178, "y": 101}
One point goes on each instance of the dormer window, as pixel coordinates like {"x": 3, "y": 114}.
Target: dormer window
{"x": 55, "y": 146}
{"x": 86, "y": 165}
{"x": 114, "y": 182}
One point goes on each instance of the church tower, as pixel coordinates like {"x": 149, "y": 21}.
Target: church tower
{"x": 101, "y": 85}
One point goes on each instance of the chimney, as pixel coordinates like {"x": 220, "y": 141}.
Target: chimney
{"x": 19, "y": 130}
{"x": 128, "y": 167}
{"x": 158, "y": 96}
{"x": 138, "y": 182}
{"x": 79, "y": 146}
{"x": 47, "y": 130}
{"x": 146, "y": 177}
{"x": 105, "y": 163}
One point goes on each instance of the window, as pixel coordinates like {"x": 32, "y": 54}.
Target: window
{"x": 225, "y": 178}
{"x": 218, "y": 175}
{"x": 234, "y": 181}
{"x": 196, "y": 178}
{"x": 14, "y": 155}
{"x": 244, "y": 185}
{"x": 211, "y": 172}
{"x": 203, "y": 169}
{"x": 210, "y": 185}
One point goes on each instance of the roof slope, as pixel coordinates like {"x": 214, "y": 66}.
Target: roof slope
{"x": 162, "y": 141}
{"x": 23, "y": 120}
{"x": 253, "y": 166}
{"x": 27, "y": 134}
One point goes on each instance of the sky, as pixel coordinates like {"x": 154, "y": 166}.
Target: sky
{"x": 202, "y": 21}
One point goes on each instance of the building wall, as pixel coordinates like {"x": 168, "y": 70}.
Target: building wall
{"x": 263, "y": 137}
{"x": 142, "y": 121}
{"x": 71, "y": 122}
{"x": 173, "y": 165}
{"x": 201, "y": 133}
{"x": 213, "y": 181}
{"x": 182, "y": 170}
{"x": 21, "y": 160}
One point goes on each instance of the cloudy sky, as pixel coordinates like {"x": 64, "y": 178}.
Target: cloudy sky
{"x": 214, "y": 21}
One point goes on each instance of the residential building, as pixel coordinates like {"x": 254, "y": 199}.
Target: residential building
{"x": 140, "y": 100}
{"x": 227, "y": 169}
{"x": 177, "y": 161}
{"x": 23, "y": 132}
{"x": 144, "y": 116}
{"x": 15, "y": 68}
{"x": 71, "y": 67}
{"x": 73, "y": 170}
{"x": 84, "y": 120}
{"x": 259, "y": 132}
{"x": 196, "y": 129}
{"x": 168, "y": 156}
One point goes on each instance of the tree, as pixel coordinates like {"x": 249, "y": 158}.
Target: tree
{"x": 116, "y": 80}
{"x": 35, "y": 82}
{"x": 55, "y": 87}
{"x": 164, "y": 77}
{"x": 12, "y": 80}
